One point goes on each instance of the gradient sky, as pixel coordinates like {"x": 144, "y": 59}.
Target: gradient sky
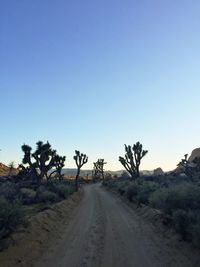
{"x": 94, "y": 75}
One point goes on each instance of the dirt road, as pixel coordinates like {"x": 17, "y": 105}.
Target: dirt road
{"x": 105, "y": 232}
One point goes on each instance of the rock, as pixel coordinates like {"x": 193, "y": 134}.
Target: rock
{"x": 195, "y": 154}
{"x": 158, "y": 172}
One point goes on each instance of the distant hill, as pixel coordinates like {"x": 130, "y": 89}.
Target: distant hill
{"x": 72, "y": 172}
{"x": 5, "y": 170}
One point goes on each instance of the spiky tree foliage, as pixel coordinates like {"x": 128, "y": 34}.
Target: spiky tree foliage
{"x": 132, "y": 159}
{"x": 98, "y": 171}
{"x": 80, "y": 160}
{"x": 59, "y": 163}
{"x": 41, "y": 161}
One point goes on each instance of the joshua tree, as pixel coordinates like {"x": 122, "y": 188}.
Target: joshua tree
{"x": 44, "y": 157}
{"x": 59, "y": 163}
{"x": 184, "y": 163}
{"x": 190, "y": 168}
{"x": 132, "y": 159}
{"x": 80, "y": 160}
{"x": 98, "y": 168}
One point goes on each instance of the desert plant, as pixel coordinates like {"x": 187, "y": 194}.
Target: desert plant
{"x": 59, "y": 164}
{"x": 27, "y": 196}
{"x": 11, "y": 215}
{"x": 182, "y": 221}
{"x": 9, "y": 191}
{"x": 184, "y": 196}
{"x": 46, "y": 196}
{"x": 132, "y": 159}
{"x": 190, "y": 168}
{"x": 98, "y": 171}
{"x": 131, "y": 192}
{"x": 63, "y": 189}
{"x": 41, "y": 161}
{"x": 195, "y": 233}
{"x": 80, "y": 160}
{"x": 145, "y": 190}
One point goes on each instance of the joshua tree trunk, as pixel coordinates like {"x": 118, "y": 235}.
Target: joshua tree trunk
{"x": 76, "y": 180}
{"x": 80, "y": 160}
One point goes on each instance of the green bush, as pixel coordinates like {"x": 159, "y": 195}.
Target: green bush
{"x": 62, "y": 189}
{"x": 145, "y": 190}
{"x": 8, "y": 190}
{"x": 121, "y": 190}
{"x": 164, "y": 200}
{"x": 11, "y": 215}
{"x": 131, "y": 191}
{"x": 47, "y": 196}
{"x": 27, "y": 196}
{"x": 185, "y": 196}
{"x": 195, "y": 233}
{"x": 182, "y": 221}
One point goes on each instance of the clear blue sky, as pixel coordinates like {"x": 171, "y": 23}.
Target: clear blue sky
{"x": 94, "y": 75}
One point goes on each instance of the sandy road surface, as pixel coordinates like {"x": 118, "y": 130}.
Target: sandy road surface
{"x": 105, "y": 232}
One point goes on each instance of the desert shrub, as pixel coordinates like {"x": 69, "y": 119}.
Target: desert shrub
{"x": 182, "y": 221}
{"x": 11, "y": 215}
{"x": 111, "y": 184}
{"x": 44, "y": 195}
{"x": 71, "y": 189}
{"x": 105, "y": 182}
{"x": 131, "y": 191}
{"x": 121, "y": 187}
{"x": 185, "y": 196}
{"x": 121, "y": 190}
{"x": 27, "y": 196}
{"x": 63, "y": 189}
{"x": 163, "y": 199}
{"x": 189, "y": 196}
{"x": 167, "y": 180}
{"x": 8, "y": 190}
{"x": 195, "y": 233}
{"x": 144, "y": 192}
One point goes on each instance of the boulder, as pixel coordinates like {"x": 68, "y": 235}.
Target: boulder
{"x": 195, "y": 154}
{"x": 158, "y": 172}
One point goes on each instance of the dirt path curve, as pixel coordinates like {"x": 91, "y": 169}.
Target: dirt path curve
{"x": 105, "y": 232}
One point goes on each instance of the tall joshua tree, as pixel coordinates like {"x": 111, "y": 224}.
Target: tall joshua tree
{"x": 99, "y": 168}
{"x": 80, "y": 160}
{"x": 41, "y": 161}
{"x": 132, "y": 159}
